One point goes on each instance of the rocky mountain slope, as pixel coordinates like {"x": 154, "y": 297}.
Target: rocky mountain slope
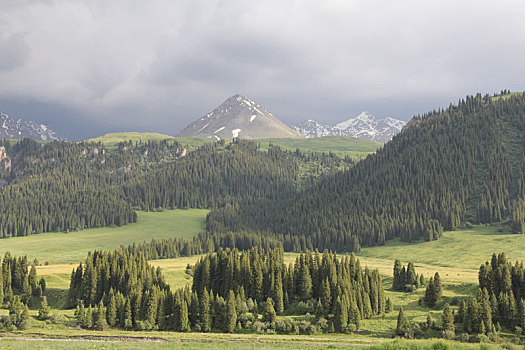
{"x": 364, "y": 126}
{"x": 239, "y": 117}
{"x": 11, "y": 128}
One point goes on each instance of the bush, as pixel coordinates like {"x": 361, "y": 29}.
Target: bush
{"x": 448, "y": 335}
{"x": 322, "y": 325}
{"x": 259, "y": 327}
{"x": 306, "y": 327}
{"x": 464, "y": 337}
{"x": 284, "y": 325}
{"x": 246, "y": 318}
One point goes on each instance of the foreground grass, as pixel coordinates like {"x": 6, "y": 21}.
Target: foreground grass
{"x": 72, "y": 247}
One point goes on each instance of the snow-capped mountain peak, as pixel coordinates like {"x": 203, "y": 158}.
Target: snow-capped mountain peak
{"x": 241, "y": 117}
{"x": 11, "y": 128}
{"x": 364, "y": 126}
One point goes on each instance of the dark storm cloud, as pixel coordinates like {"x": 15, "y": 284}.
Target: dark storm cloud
{"x": 13, "y": 51}
{"x": 92, "y": 67}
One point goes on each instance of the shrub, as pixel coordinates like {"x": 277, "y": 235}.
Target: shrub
{"x": 448, "y": 335}
{"x": 259, "y": 327}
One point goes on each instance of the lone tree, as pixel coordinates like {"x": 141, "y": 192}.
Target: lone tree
{"x": 403, "y": 325}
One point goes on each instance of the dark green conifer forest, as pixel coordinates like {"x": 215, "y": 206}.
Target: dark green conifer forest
{"x": 447, "y": 168}
{"x": 230, "y": 288}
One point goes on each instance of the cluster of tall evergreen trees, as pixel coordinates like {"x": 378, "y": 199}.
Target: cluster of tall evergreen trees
{"x": 406, "y": 279}
{"x": 229, "y": 289}
{"x": 500, "y": 298}
{"x": 16, "y": 279}
{"x": 448, "y": 167}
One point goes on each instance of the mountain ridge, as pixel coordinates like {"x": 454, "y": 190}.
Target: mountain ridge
{"x": 364, "y": 126}
{"x": 11, "y": 128}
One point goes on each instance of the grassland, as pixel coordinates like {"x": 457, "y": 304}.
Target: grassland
{"x": 340, "y": 145}
{"x": 456, "y": 257}
{"x": 72, "y": 247}
{"x": 458, "y": 250}
{"x": 112, "y": 139}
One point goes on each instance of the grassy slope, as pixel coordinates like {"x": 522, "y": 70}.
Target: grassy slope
{"x": 340, "y": 145}
{"x": 116, "y": 137}
{"x": 461, "y": 250}
{"x": 58, "y": 247}
{"x": 112, "y": 139}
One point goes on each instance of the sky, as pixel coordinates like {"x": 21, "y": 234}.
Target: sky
{"x": 90, "y": 67}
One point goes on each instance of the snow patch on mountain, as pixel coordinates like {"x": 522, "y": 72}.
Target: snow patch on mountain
{"x": 235, "y": 133}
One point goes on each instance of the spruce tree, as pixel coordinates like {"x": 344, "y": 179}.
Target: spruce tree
{"x": 231, "y": 313}
{"x": 127, "y": 321}
{"x": 184, "y": 321}
{"x": 341, "y": 315}
{"x": 43, "y": 311}
{"x": 112, "y": 310}
{"x": 438, "y": 287}
{"x": 205, "y": 312}
{"x": 431, "y": 296}
{"x": 448, "y": 319}
{"x": 403, "y": 325}
{"x": 269, "y": 314}
{"x": 398, "y": 282}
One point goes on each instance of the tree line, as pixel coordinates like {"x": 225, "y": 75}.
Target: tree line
{"x": 230, "y": 288}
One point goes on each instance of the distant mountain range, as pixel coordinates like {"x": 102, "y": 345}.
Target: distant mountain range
{"x": 364, "y": 126}
{"x": 240, "y": 117}
{"x": 11, "y": 128}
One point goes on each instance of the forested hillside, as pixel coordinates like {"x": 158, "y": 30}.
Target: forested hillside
{"x": 64, "y": 186}
{"x": 447, "y": 167}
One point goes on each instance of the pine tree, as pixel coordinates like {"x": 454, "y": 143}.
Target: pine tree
{"x": 326, "y": 295}
{"x": 127, "y": 320}
{"x": 389, "y": 307}
{"x": 112, "y": 310}
{"x": 231, "y": 313}
{"x": 205, "y": 312}
{"x": 305, "y": 286}
{"x": 269, "y": 314}
{"x": 88, "y": 320}
{"x": 403, "y": 325}
{"x": 448, "y": 319}
{"x": 278, "y": 294}
{"x": 431, "y": 297}
{"x": 438, "y": 287}
{"x": 43, "y": 311}
{"x": 341, "y": 315}
{"x": 398, "y": 282}
{"x": 184, "y": 321}
{"x": 100, "y": 319}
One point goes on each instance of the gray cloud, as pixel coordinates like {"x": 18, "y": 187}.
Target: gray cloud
{"x": 92, "y": 67}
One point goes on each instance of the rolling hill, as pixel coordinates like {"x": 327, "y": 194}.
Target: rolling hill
{"x": 447, "y": 168}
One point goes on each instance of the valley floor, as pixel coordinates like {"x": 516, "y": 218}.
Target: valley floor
{"x": 456, "y": 257}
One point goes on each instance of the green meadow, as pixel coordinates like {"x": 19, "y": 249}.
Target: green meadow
{"x": 72, "y": 247}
